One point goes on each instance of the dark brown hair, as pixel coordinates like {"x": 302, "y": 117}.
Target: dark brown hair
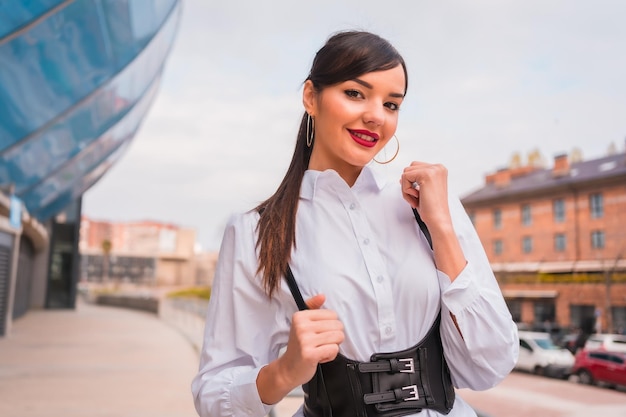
{"x": 345, "y": 56}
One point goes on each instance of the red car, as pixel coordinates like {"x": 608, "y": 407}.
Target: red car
{"x": 593, "y": 366}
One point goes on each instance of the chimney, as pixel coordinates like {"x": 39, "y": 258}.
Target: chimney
{"x": 502, "y": 178}
{"x": 561, "y": 165}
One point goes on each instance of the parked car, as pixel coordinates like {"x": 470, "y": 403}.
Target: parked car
{"x": 610, "y": 342}
{"x": 570, "y": 342}
{"x": 538, "y": 354}
{"x": 594, "y": 366}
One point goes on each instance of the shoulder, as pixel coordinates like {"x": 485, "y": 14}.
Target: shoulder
{"x": 240, "y": 230}
{"x": 243, "y": 220}
{"x": 237, "y": 260}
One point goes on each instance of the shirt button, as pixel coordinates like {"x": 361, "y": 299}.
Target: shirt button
{"x": 388, "y": 330}
{"x": 352, "y": 206}
{"x": 380, "y": 278}
{"x": 366, "y": 241}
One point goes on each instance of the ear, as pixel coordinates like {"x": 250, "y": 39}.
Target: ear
{"x": 309, "y": 98}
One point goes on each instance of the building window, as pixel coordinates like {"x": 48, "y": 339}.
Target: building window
{"x": 527, "y": 244}
{"x": 558, "y": 210}
{"x": 559, "y": 242}
{"x": 545, "y": 313}
{"x": 497, "y": 218}
{"x": 597, "y": 239}
{"x": 583, "y": 317}
{"x": 526, "y": 215}
{"x": 596, "y": 206}
{"x": 618, "y": 314}
{"x": 497, "y": 247}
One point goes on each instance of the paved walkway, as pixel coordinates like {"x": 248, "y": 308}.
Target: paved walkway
{"x": 95, "y": 361}
{"x": 114, "y": 362}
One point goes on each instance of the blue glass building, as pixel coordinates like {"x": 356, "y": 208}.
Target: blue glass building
{"x": 77, "y": 78}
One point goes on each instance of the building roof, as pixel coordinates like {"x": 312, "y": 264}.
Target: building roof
{"x": 540, "y": 180}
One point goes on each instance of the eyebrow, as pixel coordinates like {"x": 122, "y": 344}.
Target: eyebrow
{"x": 370, "y": 86}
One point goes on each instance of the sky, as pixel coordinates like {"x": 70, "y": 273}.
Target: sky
{"x": 487, "y": 79}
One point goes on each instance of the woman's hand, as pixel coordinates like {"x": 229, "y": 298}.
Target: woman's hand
{"x": 425, "y": 188}
{"x": 314, "y": 338}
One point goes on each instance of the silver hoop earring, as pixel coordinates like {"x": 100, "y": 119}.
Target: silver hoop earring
{"x": 310, "y": 130}
{"x": 394, "y": 155}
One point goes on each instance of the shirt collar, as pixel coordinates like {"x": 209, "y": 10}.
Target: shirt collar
{"x": 312, "y": 179}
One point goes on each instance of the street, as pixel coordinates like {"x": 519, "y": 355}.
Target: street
{"x": 526, "y": 395}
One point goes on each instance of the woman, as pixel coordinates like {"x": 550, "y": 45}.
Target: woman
{"x": 396, "y": 311}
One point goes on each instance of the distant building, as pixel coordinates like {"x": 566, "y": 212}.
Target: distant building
{"x": 147, "y": 252}
{"x": 556, "y": 240}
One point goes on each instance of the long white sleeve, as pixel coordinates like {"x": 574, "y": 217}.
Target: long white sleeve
{"x": 489, "y": 347}
{"x": 241, "y": 333}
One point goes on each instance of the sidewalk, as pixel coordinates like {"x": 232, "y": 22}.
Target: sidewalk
{"x": 95, "y": 361}
{"x": 115, "y": 362}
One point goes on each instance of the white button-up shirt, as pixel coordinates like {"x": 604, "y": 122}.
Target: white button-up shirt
{"x": 363, "y": 249}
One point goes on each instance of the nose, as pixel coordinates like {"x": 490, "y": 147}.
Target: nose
{"x": 374, "y": 115}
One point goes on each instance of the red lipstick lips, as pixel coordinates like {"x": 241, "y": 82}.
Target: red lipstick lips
{"x": 364, "y": 137}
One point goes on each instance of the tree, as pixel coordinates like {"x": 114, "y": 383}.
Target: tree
{"x": 106, "y": 251}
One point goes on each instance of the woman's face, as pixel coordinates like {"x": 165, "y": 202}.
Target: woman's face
{"x": 354, "y": 120}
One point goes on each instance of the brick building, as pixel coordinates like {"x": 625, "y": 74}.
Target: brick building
{"x": 145, "y": 252}
{"x": 556, "y": 240}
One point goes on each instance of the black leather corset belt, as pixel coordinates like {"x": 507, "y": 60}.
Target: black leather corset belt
{"x": 391, "y": 384}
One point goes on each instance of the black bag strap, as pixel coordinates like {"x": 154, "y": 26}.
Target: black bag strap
{"x": 423, "y": 227}
{"x": 295, "y": 290}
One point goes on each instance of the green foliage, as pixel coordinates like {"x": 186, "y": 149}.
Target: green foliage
{"x": 107, "y": 246}
{"x": 195, "y": 292}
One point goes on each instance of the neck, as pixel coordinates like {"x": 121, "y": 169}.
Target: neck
{"x": 349, "y": 173}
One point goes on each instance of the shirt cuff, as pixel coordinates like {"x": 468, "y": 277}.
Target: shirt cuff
{"x": 245, "y": 401}
{"x": 459, "y": 294}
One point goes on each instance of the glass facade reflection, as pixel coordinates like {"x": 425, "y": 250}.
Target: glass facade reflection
{"x": 14, "y": 16}
{"x": 76, "y": 80}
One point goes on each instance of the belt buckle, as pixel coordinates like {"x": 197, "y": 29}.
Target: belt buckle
{"x": 409, "y": 366}
{"x": 413, "y": 391}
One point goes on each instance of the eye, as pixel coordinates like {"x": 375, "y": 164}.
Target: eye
{"x": 392, "y": 106}
{"x": 353, "y": 93}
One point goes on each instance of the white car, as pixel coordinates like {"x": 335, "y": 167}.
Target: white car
{"x": 538, "y": 354}
{"x": 610, "y": 342}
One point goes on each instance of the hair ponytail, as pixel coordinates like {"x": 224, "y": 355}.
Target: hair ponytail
{"x": 277, "y": 226}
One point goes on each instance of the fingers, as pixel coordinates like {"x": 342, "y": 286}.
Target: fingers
{"x": 318, "y": 331}
{"x": 316, "y": 322}
{"x": 410, "y": 191}
{"x": 422, "y": 180}
{"x": 323, "y": 346}
{"x": 411, "y": 183}
{"x": 316, "y": 301}
{"x": 421, "y": 173}
{"x": 314, "y": 338}
{"x": 306, "y": 352}
{"x": 329, "y": 352}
